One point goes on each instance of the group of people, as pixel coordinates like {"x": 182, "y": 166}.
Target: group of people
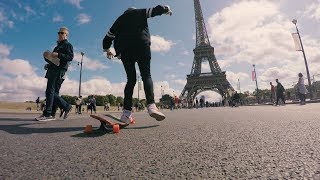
{"x": 131, "y": 37}
{"x": 277, "y": 93}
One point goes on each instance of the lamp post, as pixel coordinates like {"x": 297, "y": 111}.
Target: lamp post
{"x": 82, "y": 53}
{"x": 294, "y": 21}
{"x": 255, "y": 76}
{"x": 138, "y": 88}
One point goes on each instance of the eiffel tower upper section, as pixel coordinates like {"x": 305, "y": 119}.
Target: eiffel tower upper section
{"x": 203, "y": 50}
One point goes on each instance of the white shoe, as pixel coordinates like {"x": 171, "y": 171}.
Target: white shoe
{"x": 126, "y": 117}
{"x": 155, "y": 113}
{"x": 44, "y": 118}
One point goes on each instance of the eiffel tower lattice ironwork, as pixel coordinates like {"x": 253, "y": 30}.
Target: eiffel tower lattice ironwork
{"x": 197, "y": 81}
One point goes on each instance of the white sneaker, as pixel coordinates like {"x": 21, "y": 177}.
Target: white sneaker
{"x": 155, "y": 113}
{"x": 41, "y": 116}
{"x": 126, "y": 116}
{"x": 44, "y": 118}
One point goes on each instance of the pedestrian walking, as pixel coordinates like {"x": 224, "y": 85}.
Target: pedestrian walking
{"x": 302, "y": 89}
{"x": 38, "y": 103}
{"x": 131, "y": 37}
{"x": 78, "y": 104}
{"x": 55, "y": 77}
{"x": 272, "y": 93}
{"x": 280, "y": 93}
{"x": 93, "y": 104}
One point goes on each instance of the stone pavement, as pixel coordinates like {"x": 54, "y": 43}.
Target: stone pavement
{"x": 259, "y": 142}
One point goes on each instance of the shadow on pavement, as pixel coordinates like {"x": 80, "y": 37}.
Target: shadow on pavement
{"x": 99, "y": 132}
{"x": 17, "y": 119}
{"x": 95, "y": 133}
{"x": 19, "y": 129}
{"x": 142, "y": 127}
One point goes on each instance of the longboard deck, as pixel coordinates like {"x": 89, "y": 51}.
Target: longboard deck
{"x": 109, "y": 125}
{"x": 48, "y": 56}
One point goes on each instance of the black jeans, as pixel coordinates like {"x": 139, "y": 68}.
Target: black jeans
{"x": 144, "y": 67}
{"x": 302, "y": 97}
{"x": 280, "y": 96}
{"x": 53, "y": 100}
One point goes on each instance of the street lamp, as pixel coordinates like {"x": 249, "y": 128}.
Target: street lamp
{"x": 255, "y": 76}
{"x": 294, "y": 21}
{"x": 138, "y": 87}
{"x": 82, "y": 53}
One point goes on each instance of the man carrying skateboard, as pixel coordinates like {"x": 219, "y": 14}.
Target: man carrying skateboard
{"x": 55, "y": 75}
{"x": 131, "y": 37}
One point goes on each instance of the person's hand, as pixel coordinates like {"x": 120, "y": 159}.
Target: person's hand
{"x": 169, "y": 12}
{"x": 109, "y": 54}
{"x": 46, "y": 53}
{"x": 54, "y": 55}
{"x": 46, "y": 66}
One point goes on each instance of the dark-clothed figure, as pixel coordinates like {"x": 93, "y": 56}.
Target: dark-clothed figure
{"x": 272, "y": 93}
{"x": 280, "y": 93}
{"x": 302, "y": 89}
{"x": 38, "y": 103}
{"x": 131, "y": 37}
{"x": 55, "y": 75}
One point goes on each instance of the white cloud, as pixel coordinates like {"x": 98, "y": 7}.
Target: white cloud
{"x": 90, "y": 64}
{"x": 179, "y": 82}
{"x": 312, "y": 11}
{"x": 159, "y": 44}
{"x": 57, "y": 18}
{"x": 29, "y": 10}
{"x": 258, "y": 32}
{"x": 75, "y": 3}
{"x": 185, "y": 52}
{"x": 4, "y": 50}
{"x": 233, "y": 77}
{"x": 4, "y": 21}
{"x": 83, "y": 18}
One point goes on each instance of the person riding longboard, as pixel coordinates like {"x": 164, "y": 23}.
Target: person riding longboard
{"x": 131, "y": 37}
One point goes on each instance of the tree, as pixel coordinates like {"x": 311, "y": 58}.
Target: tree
{"x": 70, "y": 99}
{"x": 101, "y": 100}
{"x": 120, "y": 100}
{"x": 112, "y": 99}
{"x": 166, "y": 99}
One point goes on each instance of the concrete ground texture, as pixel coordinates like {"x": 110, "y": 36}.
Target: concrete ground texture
{"x": 251, "y": 142}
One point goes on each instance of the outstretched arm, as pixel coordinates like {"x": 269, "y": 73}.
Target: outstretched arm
{"x": 107, "y": 40}
{"x": 158, "y": 11}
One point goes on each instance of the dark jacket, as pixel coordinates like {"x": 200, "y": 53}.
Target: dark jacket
{"x": 130, "y": 32}
{"x": 280, "y": 88}
{"x": 65, "y": 54}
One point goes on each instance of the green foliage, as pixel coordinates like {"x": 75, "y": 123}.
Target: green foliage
{"x": 120, "y": 100}
{"x": 112, "y": 99}
{"x": 166, "y": 99}
{"x": 70, "y": 99}
{"x": 101, "y": 100}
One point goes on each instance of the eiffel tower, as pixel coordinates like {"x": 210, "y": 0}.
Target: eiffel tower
{"x": 198, "y": 82}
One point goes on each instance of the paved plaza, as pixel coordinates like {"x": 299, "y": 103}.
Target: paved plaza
{"x": 259, "y": 142}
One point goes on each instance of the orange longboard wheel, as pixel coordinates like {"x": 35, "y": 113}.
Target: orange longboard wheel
{"x": 116, "y": 128}
{"x": 133, "y": 121}
{"x": 88, "y": 129}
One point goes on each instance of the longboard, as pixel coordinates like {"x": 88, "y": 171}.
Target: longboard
{"x": 110, "y": 126}
{"x": 48, "y": 56}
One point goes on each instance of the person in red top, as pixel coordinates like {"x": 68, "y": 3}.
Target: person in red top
{"x": 176, "y": 101}
{"x": 273, "y": 93}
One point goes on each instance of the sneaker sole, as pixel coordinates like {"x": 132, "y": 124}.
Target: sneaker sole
{"x": 158, "y": 117}
{"x": 46, "y": 120}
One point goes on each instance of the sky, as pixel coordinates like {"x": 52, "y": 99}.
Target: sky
{"x": 243, "y": 33}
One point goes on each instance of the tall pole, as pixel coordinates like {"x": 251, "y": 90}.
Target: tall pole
{"x": 305, "y": 59}
{"x": 255, "y": 76}
{"x": 239, "y": 85}
{"x": 138, "y": 88}
{"x": 82, "y": 53}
